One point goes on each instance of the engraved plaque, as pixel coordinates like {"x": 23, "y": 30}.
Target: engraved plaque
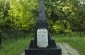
{"x": 42, "y": 38}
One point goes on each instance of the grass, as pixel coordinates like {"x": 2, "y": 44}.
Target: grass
{"x": 15, "y": 47}
{"x": 74, "y": 40}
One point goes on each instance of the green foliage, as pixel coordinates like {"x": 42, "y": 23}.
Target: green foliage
{"x": 66, "y": 15}
{"x": 21, "y": 14}
{"x": 63, "y": 15}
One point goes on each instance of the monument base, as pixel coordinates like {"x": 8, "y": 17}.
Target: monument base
{"x": 34, "y": 50}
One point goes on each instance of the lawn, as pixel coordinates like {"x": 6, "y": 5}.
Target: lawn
{"x": 16, "y": 47}
{"x": 75, "y": 40}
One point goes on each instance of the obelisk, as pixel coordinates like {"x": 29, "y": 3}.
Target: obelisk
{"x": 42, "y": 33}
{"x": 42, "y": 44}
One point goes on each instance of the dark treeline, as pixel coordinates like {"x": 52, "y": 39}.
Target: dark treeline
{"x": 13, "y": 35}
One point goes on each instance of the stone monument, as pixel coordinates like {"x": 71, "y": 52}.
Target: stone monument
{"x": 42, "y": 44}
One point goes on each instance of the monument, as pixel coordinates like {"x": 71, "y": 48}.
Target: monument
{"x": 42, "y": 44}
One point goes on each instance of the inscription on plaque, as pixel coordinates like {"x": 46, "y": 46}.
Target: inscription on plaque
{"x": 42, "y": 38}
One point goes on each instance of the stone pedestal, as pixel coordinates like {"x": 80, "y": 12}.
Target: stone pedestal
{"x": 51, "y": 49}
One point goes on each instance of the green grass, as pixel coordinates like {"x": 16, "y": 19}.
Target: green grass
{"x": 74, "y": 40}
{"x": 15, "y": 47}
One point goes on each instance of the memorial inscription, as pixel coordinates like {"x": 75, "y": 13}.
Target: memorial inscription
{"x": 42, "y": 38}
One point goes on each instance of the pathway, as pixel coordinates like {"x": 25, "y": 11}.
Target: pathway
{"x": 66, "y": 49}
